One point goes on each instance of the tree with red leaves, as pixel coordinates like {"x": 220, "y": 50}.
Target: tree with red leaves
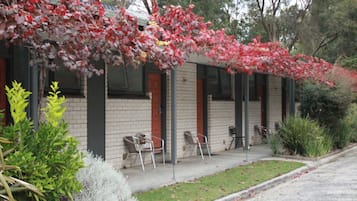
{"x": 79, "y": 33}
{"x": 185, "y": 30}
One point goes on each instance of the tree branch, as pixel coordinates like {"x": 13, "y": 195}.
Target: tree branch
{"x": 325, "y": 41}
{"x": 276, "y": 6}
{"x": 298, "y": 21}
{"x": 262, "y": 16}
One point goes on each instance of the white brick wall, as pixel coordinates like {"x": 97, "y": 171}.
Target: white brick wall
{"x": 76, "y": 117}
{"x": 220, "y": 117}
{"x": 254, "y": 119}
{"x": 129, "y": 116}
{"x": 124, "y": 117}
{"x": 186, "y": 108}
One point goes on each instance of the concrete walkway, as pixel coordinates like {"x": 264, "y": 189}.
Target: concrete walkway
{"x": 191, "y": 168}
{"x": 310, "y": 166}
{"x": 333, "y": 181}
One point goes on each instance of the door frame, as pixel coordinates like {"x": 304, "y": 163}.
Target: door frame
{"x": 151, "y": 69}
{"x": 163, "y": 108}
{"x": 264, "y": 102}
{"x": 201, "y": 74}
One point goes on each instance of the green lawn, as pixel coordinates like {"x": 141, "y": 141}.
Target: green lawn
{"x": 221, "y": 184}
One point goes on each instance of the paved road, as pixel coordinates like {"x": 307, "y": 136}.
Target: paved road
{"x": 335, "y": 181}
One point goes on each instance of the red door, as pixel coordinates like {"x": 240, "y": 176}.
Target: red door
{"x": 154, "y": 86}
{"x": 261, "y": 94}
{"x": 2, "y": 86}
{"x": 200, "y": 109}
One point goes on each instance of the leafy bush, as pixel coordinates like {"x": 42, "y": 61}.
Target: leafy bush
{"x": 10, "y": 184}
{"x": 328, "y": 106}
{"x": 351, "y": 121}
{"x": 305, "y": 137}
{"x": 275, "y": 143}
{"x": 48, "y": 156}
{"x": 342, "y": 134}
{"x": 101, "y": 182}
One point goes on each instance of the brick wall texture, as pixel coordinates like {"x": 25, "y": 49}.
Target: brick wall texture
{"x": 129, "y": 116}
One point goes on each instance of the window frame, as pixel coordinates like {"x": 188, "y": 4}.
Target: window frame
{"x": 219, "y": 95}
{"x": 253, "y": 90}
{"x": 76, "y": 91}
{"x": 127, "y": 94}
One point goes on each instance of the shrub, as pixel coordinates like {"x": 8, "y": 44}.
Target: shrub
{"x": 275, "y": 143}
{"x": 101, "y": 182}
{"x": 11, "y": 184}
{"x": 305, "y": 137}
{"x": 327, "y": 105}
{"x": 351, "y": 121}
{"x": 48, "y": 156}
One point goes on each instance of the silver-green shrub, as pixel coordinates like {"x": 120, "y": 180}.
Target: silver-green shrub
{"x": 101, "y": 182}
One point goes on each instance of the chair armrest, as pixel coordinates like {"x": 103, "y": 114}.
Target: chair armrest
{"x": 262, "y": 130}
{"x": 158, "y": 138}
{"x": 129, "y": 141}
{"x": 204, "y": 137}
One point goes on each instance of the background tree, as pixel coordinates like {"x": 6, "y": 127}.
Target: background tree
{"x": 214, "y": 11}
{"x": 276, "y": 20}
{"x": 331, "y": 31}
{"x": 323, "y": 28}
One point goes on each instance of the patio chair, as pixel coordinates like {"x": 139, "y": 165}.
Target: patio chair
{"x": 193, "y": 139}
{"x": 263, "y": 131}
{"x": 138, "y": 145}
{"x": 233, "y": 133}
{"x": 161, "y": 149}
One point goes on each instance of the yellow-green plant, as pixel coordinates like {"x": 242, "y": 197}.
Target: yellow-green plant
{"x": 55, "y": 106}
{"x": 48, "y": 156}
{"x": 11, "y": 184}
{"x": 18, "y": 101}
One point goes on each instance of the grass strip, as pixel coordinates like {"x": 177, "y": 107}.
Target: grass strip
{"x": 221, "y": 184}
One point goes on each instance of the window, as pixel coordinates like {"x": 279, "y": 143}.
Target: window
{"x": 219, "y": 83}
{"x": 126, "y": 81}
{"x": 69, "y": 82}
{"x": 253, "y": 92}
{"x": 256, "y": 86}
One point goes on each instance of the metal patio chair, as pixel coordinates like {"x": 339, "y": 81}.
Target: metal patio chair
{"x": 161, "y": 149}
{"x": 139, "y": 145}
{"x": 193, "y": 139}
{"x": 263, "y": 131}
{"x": 233, "y": 133}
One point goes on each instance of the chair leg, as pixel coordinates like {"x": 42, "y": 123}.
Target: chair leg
{"x": 152, "y": 150}
{"x": 142, "y": 161}
{"x": 153, "y": 159}
{"x": 199, "y": 146}
{"x": 163, "y": 152}
{"x": 209, "y": 152}
{"x": 230, "y": 145}
{"x": 163, "y": 156}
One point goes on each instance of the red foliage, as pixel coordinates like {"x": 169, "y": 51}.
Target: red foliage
{"x": 188, "y": 31}
{"x": 78, "y": 32}
{"x": 346, "y": 76}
